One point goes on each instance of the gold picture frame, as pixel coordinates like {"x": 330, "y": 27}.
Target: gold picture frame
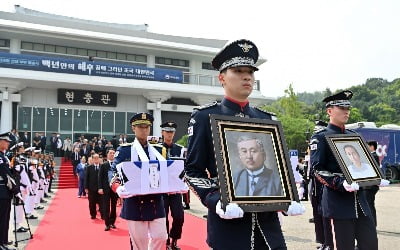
{"x": 354, "y": 158}
{"x": 253, "y": 163}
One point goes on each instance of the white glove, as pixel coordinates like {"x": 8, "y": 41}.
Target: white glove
{"x": 233, "y": 211}
{"x": 301, "y": 193}
{"x": 296, "y": 208}
{"x": 121, "y": 191}
{"x": 384, "y": 183}
{"x": 351, "y": 187}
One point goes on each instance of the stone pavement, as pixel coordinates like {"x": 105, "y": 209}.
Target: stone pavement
{"x": 299, "y": 233}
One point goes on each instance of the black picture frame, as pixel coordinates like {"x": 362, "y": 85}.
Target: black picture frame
{"x": 343, "y": 147}
{"x": 276, "y": 185}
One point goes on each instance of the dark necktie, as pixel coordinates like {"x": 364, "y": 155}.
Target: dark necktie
{"x": 253, "y": 182}
{"x": 96, "y": 167}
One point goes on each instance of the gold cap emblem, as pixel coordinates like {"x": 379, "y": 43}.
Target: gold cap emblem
{"x": 245, "y": 47}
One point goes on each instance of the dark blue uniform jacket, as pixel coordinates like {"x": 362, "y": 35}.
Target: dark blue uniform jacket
{"x": 141, "y": 207}
{"x": 201, "y": 174}
{"x": 336, "y": 202}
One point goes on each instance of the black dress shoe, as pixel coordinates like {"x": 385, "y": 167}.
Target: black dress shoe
{"x": 107, "y": 228}
{"x": 21, "y": 230}
{"x": 31, "y": 217}
{"x": 113, "y": 226}
{"x": 10, "y": 242}
{"x": 43, "y": 201}
{"x": 92, "y": 217}
{"x": 38, "y": 207}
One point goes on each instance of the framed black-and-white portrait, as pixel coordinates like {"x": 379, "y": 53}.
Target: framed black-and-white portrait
{"x": 253, "y": 163}
{"x": 354, "y": 158}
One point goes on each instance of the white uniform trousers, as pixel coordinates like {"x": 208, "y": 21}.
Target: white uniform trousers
{"x": 140, "y": 231}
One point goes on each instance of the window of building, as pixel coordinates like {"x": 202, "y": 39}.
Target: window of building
{"x": 49, "y": 48}
{"x": 65, "y": 120}
{"x": 94, "y": 122}
{"x": 111, "y": 55}
{"x": 39, "y": 119}
{"x": 140, "y": 58}
{"x": 52, "y": 119}
{"x": 206, "y": 65}
{"x": 108, "y": 122}
{"x": 24, "y": 118}
{"x": 38, "y": 46}
{"x": 173, "y": 62}
{"x": 82, "y": 52}
{"x": 61, "y": 49}
{"x": 4, "y": 43}
{"x": 102, "y": 54}
{"x": 120, "y": 122}
{"x": 91, "y": 52}
{"x": 27, "y": 46}
{"x": 72, "y": 51}
{"x": 80, "y": 121}
{"x": 121, "y": 56}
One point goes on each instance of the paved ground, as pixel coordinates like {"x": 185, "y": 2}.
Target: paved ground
{"x": 299, "y": 233}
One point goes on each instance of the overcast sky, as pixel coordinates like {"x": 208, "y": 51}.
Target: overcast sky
{"x": 313, "y": 44}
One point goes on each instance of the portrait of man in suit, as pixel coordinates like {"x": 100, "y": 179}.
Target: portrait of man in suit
{"x": 255, "y": 173}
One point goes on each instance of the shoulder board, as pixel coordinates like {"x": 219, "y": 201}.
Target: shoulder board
{"x": 319, "y": 130}
{"x": 353, "y": 131}
{"x": 125, "y": 144}
{"x": 156, "y": 145}
{"x": 206, "y": 106}
{"x": 266, "y": 112}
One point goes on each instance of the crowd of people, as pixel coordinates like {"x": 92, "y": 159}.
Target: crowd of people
{"x": 342, "y": 215}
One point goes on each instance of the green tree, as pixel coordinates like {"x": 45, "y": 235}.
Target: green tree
{"x": 183, "y": 141}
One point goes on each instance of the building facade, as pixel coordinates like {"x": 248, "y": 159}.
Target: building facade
{"x": 73, "y": 76}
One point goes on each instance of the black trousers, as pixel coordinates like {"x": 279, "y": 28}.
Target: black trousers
{"x": 110, "y": 208}
{"x": 318, "y": 220}
{"x": 95, "y": 198}
{"x": 5, "y": 209}
{"x": 362, "y": 229}
{"x": 370, "y": 193}
{"x": 173, "y": 202}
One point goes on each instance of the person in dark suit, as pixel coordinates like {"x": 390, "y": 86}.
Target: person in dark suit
{"x": 36, "y": 141}
{"x": 25, "y": 139}
{"x": 109, "y": 197}
{"x": 6, "y": 192}
{"x": 85, "y": 148}
{"x": 231, "y": 228}
{"x": 76, "y": 159}
{"x": 92, "y": 187}
{"x": 43, "y": 142}
{"x": 255, "y": 179}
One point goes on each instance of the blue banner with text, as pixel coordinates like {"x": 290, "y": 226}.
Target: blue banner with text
{"x": 90, "y": 68}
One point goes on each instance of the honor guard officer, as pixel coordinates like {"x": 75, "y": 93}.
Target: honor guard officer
{"x": 170, "y": 150}
{"x": 7, "y": 190}
{"x": 348, "y": 211}
{"x": 145, "y": 213}
{"x": 230, "y": 229}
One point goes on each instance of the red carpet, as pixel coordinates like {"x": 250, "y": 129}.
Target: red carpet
{"x": 67, "y": 225}
{"x": 66, "y": 178}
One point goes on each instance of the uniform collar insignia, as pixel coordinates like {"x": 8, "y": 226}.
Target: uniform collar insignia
{"x": 245, "y": 47}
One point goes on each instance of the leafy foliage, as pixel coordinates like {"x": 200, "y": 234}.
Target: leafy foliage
{"x": 376, "y": 101}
